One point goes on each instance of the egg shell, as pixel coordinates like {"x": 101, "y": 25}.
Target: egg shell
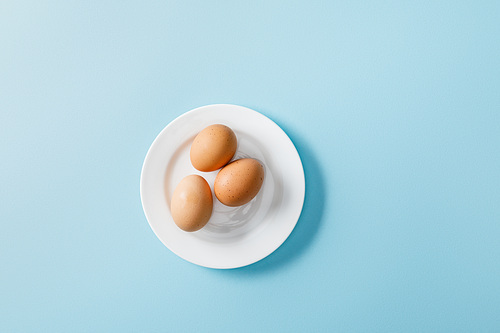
{"x": 192, "y": 203}
{"x": 213, "y": 148}
{"x": 239, "y": 182}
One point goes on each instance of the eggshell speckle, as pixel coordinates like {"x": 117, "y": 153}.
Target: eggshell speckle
{"x": 213, "y": 148}
{"x": 239, "y": 182}
{"x": 192, "y": 203}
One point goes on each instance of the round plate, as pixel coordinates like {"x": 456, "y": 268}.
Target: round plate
{"x": 234, "y": 236}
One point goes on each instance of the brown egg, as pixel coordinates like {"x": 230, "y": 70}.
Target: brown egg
{"x": 239, "y": 182}
{"x": 192, "y": 203}
{"x": 213, "y": 148}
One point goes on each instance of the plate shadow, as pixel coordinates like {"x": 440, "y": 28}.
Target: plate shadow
{"x": 309, "y": 221}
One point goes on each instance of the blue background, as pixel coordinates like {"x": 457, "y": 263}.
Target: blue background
{"x": 394, "y": 108}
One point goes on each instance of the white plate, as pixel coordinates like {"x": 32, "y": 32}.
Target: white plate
{"x": 234, "y": 236}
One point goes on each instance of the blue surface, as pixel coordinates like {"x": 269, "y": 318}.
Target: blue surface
{"x": 394, "y": 108}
